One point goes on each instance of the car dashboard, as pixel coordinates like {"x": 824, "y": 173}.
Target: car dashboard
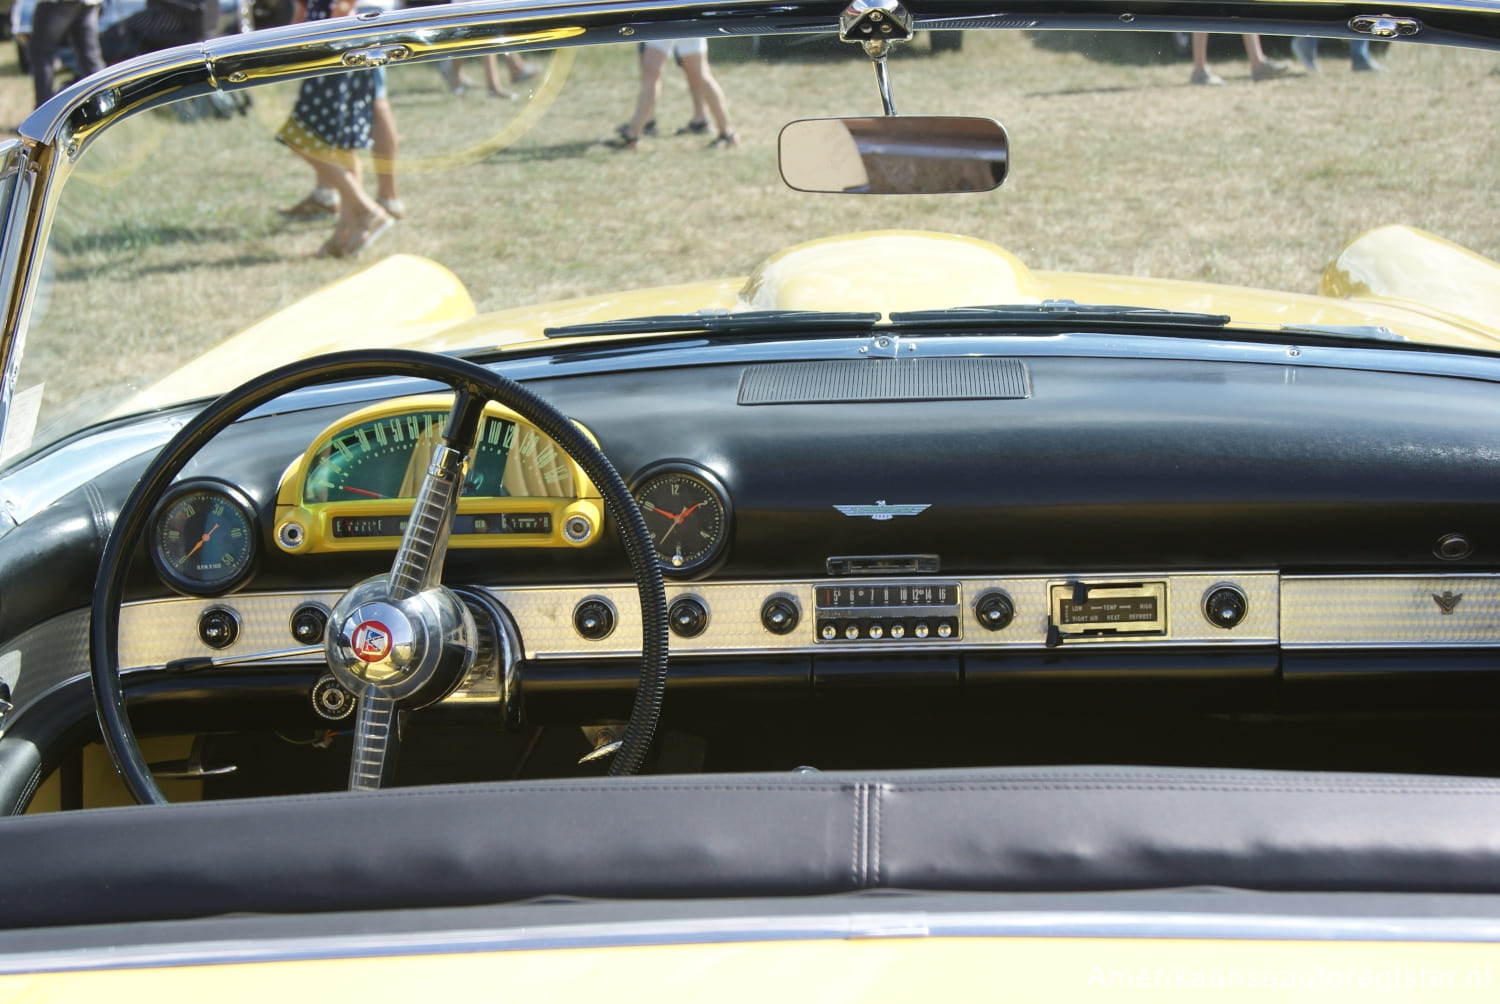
{"x": 1039, "y": 553}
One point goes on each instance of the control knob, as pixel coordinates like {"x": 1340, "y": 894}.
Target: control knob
{"x": 995, "y": 611}
{"x": 594, "y": 619}
{"x": 780, "y": 615}
{"x": 688, "y": 617}
{"x": 1225, "y": 606}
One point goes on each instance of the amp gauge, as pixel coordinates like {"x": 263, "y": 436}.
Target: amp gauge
{"x": 687, "y": 512}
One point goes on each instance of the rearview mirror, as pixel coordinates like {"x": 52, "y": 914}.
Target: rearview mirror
{"x": 894, "y": 155}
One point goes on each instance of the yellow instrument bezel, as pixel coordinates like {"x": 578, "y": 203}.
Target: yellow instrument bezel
{"x": 307, "y": 527}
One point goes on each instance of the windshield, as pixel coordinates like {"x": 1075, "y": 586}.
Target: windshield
{"x": 1134, "y": 179}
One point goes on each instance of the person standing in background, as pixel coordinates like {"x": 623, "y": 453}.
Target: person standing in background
{"x": 1360, "y": 60}
{"x": 55, "y": 20}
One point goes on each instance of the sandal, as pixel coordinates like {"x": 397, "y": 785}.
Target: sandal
{"x": 309, "y": 208}
{"x": 370, "y": 227}
{"x": 697, "y": 127}
{"x": 725, "y": 140}
{"x": 622, "y": 140}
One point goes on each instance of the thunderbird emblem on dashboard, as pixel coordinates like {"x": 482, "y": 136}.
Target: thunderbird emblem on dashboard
{"x": 1447, "y": 601}
{"x": 881, "y": 511}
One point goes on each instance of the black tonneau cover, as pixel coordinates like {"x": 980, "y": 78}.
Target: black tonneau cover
{"x": 1015, "y": 829}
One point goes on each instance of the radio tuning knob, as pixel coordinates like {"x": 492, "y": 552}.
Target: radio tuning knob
{"x": 779, "y": 615}
{"x": 995, "y": 611}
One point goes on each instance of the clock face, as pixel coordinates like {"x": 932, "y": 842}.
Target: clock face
{"x": 687, "y": 513}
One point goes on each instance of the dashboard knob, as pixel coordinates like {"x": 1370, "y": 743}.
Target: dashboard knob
{"x": 308, "y": 624}
{"x": 218, "y": 627}
{"x": 779, "y": 615}
{"x": 995, "y": 611}
{"x": 594, "y": 619}
{"x": 1225, "y": 606}
{"x": 688, "y": 617}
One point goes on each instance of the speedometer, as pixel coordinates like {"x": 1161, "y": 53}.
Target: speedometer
{"x": 385, "y": 458}
{"x": 352, "y": 488}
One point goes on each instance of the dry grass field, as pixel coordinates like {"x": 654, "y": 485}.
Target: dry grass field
{"x": 167, "y": 238}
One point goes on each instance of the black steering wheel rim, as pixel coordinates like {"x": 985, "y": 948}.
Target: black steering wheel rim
{"x": 458, "y": 374}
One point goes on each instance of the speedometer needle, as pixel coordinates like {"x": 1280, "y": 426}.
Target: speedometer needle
{"x": 363, "y": 491}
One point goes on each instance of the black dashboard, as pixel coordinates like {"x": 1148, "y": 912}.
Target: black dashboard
{"x": 1177, "y": 521}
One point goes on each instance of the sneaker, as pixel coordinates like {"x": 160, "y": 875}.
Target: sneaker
{"x": 1270, "y": 70}
{"x": 395, "y": 207}
{"x": 694, "y": 128}
{"x": 1306, "y": 51}
{"x": 1367, "y": 65}
{"x": 1207, "y": 77}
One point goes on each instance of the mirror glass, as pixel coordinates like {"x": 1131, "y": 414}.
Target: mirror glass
{"x": 894, "y": 155}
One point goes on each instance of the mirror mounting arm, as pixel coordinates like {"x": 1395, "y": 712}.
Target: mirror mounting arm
{"x": 877, "y": 25}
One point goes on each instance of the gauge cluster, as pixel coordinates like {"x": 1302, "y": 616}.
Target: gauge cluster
{"x": 352, "y": 489}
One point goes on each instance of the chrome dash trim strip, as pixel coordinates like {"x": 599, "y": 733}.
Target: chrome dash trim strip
{"x": 1390, "y": 611}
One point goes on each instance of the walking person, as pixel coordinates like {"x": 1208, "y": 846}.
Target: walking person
{"x": 692, "y": 55}
{"x": 335, "y": 116}
{"x": 1261, "y": 68}
{"x": 77, "y": 21}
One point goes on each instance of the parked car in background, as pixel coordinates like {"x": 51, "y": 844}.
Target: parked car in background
{"x": 997, "y": 525}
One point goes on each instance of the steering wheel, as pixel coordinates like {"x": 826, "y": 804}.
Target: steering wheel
{"x": 401, "y": 639}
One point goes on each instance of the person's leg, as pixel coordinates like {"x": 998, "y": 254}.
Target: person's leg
{"x": 701, "y": 81}
{"x": 1262, "y": 68}
{"x": 652, "y": 62}
{"x": 1306, "y": 51}
{"x": 48, "y": 22}
{"x": 1201, "y": 73}
{"x": 518, "y": 68}
{"x": 385, "y": 146}
{"x": 492, "y": 78}
{"x": 1360, "y": 59}
{"x": 83, "y": 36}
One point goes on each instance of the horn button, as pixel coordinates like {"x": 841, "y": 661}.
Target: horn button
{"x": 414, "y": 650}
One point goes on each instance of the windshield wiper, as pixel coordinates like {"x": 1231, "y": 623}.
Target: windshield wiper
{"x": 1051, "y": 311}
{"x": 743, "y": 322}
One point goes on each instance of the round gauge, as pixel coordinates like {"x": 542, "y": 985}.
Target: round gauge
{"x": 203, "y": 538}
{"x": 687, "y": 512}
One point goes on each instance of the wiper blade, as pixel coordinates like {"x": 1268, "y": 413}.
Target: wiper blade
{"x": 1356, "y": 332}
{"x": 1052, "y": 311}
{"x": 741, "y": 322}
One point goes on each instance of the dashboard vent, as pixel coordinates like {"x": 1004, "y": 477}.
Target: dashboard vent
{"x": 847, "y": 380}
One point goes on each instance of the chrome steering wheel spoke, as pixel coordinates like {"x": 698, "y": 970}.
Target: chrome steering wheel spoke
{"x": 377, "y": 739}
